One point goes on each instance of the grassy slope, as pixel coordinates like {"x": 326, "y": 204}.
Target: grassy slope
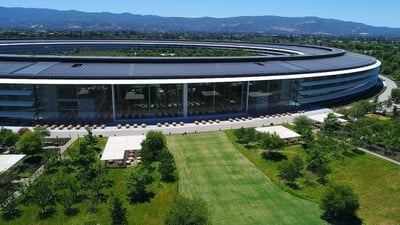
{"x": 376, "y": 182}
{"x": 152, "y": 213}
{"x": 236, "y": 191}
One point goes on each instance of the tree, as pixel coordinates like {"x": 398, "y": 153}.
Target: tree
{"x": 90, "y": 138}
{"x": 152, "y": 147}
{"x": 23, "y": 130}
{"x": 303, "y": 124}
{"x": 307, "y": 138}
{"x": 339, "y": 201}
{"x": 249, "y": 136}
{"x": 167, "y": 166}
{"x": 137, "y": 185}
{"x": 42, "y": 194}
{"x": 8, "y": 137}
{"x": 239, "y": 133}
{"x": 30, "y": 143}
{"x": 360, "y": 108}
{"x": 66, "y": 199}
{"x": 8, "y": 204}
{"x": 118, "y": 213}
{"x": 272, "y": 141}
{"x": 185, "y": 211}
{"x": 331, "y": 123}
{"x": 396, "y": 95}
{"x": 291, "y": 169}
{"x": 86, "y": 155}
{"x": 318, "y": 163}
{"x": 51, "y": 160}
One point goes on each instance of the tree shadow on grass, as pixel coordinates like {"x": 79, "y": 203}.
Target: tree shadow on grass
{"x": 274, "y": 156}
{"x": 293, "y": 186}
{"x": 71, "y": 212}
{"x": 11, "y": 215}
{"x": 48, "y": 213}
{"x": 349, "y": 220}
{"x": 141, "y": 198}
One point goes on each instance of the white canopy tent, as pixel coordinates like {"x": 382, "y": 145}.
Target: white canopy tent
{"x": 321, "y": 117}
{"x": 116, "y": 146}
{"x": 7, "y": 161}
{"x": 282, "y": 132}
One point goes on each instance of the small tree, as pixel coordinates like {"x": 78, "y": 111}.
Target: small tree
{"x": 318, "y": 163}
{"x": 249, "y": 136}
{"x": 167, "y": 166}
{"x": 85, "y": 156}
{"x": 90, "y": 138}
{"x": 8, "y": 204}
{"x": 137, "y": 185}
{"x": 339, "y": 202}
{"x": 152, "y": 147}
{"x": 66, "y": 199}
{"x": 31, "y": 143}
{"x": 307, "y": 138}
{"x": 272, "y": 142}
{"x": 291, "y": 169}
{"x": 396, "y": 95}
{"x": 303, "y": 124}
{"x": 42, "y": 195}
{"x": 8, "y": 137}
{"x": 118, "y": 213}
{"x": 185, "y": 211}
{"x": 331, "y": 123}
{"x": 239, "y": 133}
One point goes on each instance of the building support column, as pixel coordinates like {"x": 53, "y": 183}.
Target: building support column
{"x": 113, "y": 101}
{"x": 185, "y": 100}
{"x": 247, "y": 97}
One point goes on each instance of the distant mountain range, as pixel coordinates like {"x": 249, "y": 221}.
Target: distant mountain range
{"x": 48, "y": 19}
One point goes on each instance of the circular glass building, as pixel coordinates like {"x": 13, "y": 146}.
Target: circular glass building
{"x": 41, "y": 82}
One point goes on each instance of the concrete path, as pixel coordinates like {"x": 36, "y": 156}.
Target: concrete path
{"x": 389, "y": 86}
{"x": 379, "y": 156}
{"x": 188, "y": 127}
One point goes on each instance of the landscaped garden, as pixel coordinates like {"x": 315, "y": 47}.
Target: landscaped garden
{"x": 79, "y": 189}
{"x": 329, "y": 161}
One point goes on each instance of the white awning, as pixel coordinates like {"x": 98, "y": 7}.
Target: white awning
{"x": 321, "y": 117}
{"x": 7, "y": 161}
{"x": 282, "y": 132}
{"x": 116, "y": 146}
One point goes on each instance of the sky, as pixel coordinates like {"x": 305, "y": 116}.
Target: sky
{"x": 371, "y": 12}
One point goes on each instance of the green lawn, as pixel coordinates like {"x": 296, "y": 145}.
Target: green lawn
{"x": 236, "y": 191}
{"x": 376, "y": 182}
{"x": 151, "y": 213}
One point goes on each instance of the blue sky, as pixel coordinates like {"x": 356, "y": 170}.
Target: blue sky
{"x": 372, "y": 12}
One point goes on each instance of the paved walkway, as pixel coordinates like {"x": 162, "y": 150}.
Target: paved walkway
{"x": 187, "y": 128}
{"x": 389, "y": 85}
{"x": 379, "y": 156}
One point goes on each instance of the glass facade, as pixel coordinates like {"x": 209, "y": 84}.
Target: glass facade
{"x": 272, "y": 96}
{"x": 70, "y": 104}
{"x": 75, "y": 103}
{"x": 216, "y": 98}
{"x": 148, "y": 101}
{"x": 18, "y": 103}
{"x": 321, "y": 89}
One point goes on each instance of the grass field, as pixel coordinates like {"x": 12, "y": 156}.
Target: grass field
{"x": 151, "y": 213}
{"x": 376, "y": 182}
{"x": 236, "y": 191}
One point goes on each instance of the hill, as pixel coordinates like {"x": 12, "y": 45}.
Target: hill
{"x": 48, "y": 19}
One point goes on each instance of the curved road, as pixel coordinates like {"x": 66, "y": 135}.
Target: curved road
{"x": 389, "y": 84}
